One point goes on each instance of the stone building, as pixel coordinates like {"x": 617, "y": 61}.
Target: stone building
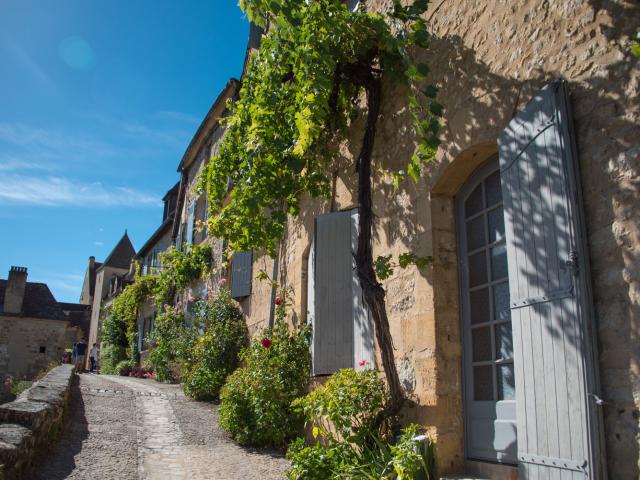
{"x": 148, "y": 258}
{"x": 192, "y": 209}
{"x": 103, "y": 282}
{"x": 519, "y": 346}
{"x": 35, "y": 329}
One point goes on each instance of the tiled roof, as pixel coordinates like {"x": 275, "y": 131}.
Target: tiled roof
{"x": 79, "y": 315}
{"x": 122, "y": 254}
{"x": 38, "y": 302}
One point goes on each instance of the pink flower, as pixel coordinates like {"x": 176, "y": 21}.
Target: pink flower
{"x": 362, "y": 363}
{"x": 266, "y": 343}
{"x": 222, "y": 282}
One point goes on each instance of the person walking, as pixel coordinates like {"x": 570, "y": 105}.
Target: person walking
{"x": 81, "y": 350}
{"x": 94, "y": 353}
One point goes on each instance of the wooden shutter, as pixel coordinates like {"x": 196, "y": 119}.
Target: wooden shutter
{"x": 551, "y": 306}
{"x": 190, "y": 223}
{"x": 241, "y": 270}
{"x": 363, "y": 344}
{"x": 342, "y": 331}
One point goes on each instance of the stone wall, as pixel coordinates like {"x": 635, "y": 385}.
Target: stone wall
{"x": 29, "y": 424}
{"x": 488, "y": 57}
{"x": 21, "y": 339}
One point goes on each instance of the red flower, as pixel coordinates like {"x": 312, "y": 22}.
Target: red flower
{"x": 266, "y": 343}
{"x": 362, "y": 363}
{"x": 279, "y": 301}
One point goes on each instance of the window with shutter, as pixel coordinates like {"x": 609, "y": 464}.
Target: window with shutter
{"x": 490, "y": 411}
{"x": 241, "y": 273}
{"x": 559, "y": 426}
{"x": 342, "y": 326}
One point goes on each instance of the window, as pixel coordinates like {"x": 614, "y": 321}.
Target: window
{"x": 43, "y": 349}
{"x": 486, "y": 319}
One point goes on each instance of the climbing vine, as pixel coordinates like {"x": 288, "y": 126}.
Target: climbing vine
{"x": 179, "y": 268}
{"x": 319, "y": 66}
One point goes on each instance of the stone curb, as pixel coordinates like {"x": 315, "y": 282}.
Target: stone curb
{"x": 29, "y": 423}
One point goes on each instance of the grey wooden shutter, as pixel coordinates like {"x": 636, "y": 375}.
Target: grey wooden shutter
{"x": 342, "y": 331}
{"x": 241, "y": 271}
{"x": 363, "y": 344}
{"x": 190, "y": 223}
{"x": 551, "y": 307}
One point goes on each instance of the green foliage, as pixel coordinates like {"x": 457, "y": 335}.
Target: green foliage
{"x": 635, "y": 45}
{"x": 384, "y": 267}
{"x": 362, "y": 396}
{"x": 295, "y": 104}
{"x": 124, "y": 312}
{"x": 125, "y": 366}
{"x": 19, "y": 386}
{"x": 354, "y": 446}
{"x": 256, "y": 402}
{"x": 179, "y": 268}
{"x": 171, "y": 343}
{"x": 216, "y": 352}
{"x": 110, "y": 356}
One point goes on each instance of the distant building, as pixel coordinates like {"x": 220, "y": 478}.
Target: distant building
{"x": 35, "y": 329}
{"x": 148, "y": 258}
{"x": 103, "y": 282}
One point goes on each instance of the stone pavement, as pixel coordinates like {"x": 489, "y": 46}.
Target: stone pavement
{"x": 139, "y": 429}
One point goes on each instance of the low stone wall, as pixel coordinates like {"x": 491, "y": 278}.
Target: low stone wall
{"x": 30, "y": 422}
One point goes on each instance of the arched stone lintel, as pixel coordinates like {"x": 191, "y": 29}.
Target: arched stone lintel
{"x": 451, "y": 179}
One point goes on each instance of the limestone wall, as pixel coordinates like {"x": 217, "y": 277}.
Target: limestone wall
{"x": 21, "y": 340}
{"x": 29, "y": 424}
{"x": 488, "y": 57}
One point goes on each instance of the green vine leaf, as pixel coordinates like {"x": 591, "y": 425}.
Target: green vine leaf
{"x": 297, "y": 99}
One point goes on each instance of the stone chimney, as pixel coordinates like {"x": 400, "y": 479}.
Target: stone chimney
{"x": 14, "y": 292}
{"x": 92, "y": 262}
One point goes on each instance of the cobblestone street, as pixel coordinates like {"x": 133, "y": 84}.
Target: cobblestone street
{"x": 128, "y": 428}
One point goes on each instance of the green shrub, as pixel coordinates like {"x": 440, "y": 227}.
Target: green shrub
{"x": 110, "y": 356}
{"x": 256, "y": 402}
{"x": 355, "y": 445}
{"x": 216, "y": 352}
{"x": 19, "y": 386}
{"x": 171, "y": 344}
{"x": 124, "y": 367}
{"x": 363, "y": 397}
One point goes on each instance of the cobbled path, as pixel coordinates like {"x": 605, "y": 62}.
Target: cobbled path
{"x": 129, "y": 428}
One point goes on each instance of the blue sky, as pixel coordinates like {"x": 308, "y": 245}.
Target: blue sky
{"x": 98, "y": 102}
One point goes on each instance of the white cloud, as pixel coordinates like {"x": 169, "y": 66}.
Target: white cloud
{"x": 59, "y": 191}
{"x": 98, "y": 243}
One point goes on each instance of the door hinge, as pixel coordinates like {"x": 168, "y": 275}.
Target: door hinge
{"x": 572, "y": 262}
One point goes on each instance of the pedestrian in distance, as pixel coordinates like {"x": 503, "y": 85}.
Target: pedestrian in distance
{"x": 74, "y": 352}
{"x": 94, "y": 354}
{"x": 81, "y": 350}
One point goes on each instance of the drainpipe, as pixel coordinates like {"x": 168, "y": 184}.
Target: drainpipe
{"x": 274, "y": 279}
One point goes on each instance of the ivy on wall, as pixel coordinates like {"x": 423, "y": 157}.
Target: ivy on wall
{"x": 318, "y": 68}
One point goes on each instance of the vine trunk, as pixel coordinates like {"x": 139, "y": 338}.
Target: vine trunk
{"x": 373, "y": 292}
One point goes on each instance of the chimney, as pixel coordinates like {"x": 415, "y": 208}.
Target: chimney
{"x": 92, "y": 262}
{"x": 14, "y": 293}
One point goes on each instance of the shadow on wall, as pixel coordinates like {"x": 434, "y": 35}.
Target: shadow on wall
{"x": 479, "y": 103}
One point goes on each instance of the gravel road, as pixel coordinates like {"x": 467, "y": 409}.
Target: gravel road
{"x": 129, "y": 428}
